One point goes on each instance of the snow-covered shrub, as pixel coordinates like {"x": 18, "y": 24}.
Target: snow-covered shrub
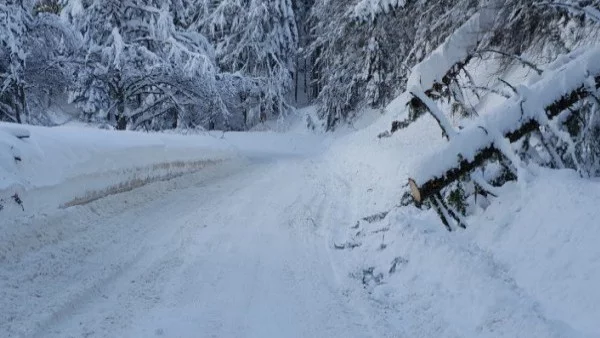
{"x": 47, "y": 6}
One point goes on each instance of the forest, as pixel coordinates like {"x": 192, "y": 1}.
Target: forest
{"x": 231, "y": 64}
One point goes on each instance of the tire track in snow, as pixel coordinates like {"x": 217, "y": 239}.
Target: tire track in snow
{"x": 90, "y": 246}
{"x": 234, "y": 257}
{"x": 336, "y": 213}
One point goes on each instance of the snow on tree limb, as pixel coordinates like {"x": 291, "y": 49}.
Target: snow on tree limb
{"x": 436, "y": 112}
{"x": 444, "y": 64}
{"x": 590, "y": 11}
{"x": 555, "y": 92}
{"x": 454, "y": 50}
{"x": 369, "y": 9}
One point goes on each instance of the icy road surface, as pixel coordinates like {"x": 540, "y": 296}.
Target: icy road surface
{"x": 237, "y": 250}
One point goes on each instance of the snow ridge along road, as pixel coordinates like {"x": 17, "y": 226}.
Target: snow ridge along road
{"x": 233, "y": 251}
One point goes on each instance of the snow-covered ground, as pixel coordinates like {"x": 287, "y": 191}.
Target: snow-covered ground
{"x": 269, "y": 240}
{"x": 230, "y": 252}
{"x": 528, "y": 266}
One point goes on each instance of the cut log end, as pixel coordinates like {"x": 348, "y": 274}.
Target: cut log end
{"x": 415, "y": 191}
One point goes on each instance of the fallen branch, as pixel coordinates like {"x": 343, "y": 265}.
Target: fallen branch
{"x": 518, "y": 58}
{"x": 444, "y": 64}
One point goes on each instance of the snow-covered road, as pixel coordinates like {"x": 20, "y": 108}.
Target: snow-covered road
{"x": 233, "y": 251}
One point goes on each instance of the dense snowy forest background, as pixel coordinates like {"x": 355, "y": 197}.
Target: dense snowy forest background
{"x": 231, "y": 64}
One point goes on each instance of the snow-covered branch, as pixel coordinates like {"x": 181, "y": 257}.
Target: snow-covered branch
{"x": 555, "y": 93}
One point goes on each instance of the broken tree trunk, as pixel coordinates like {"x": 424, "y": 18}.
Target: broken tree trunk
{"x": 557, "y": 91}
{"x": 433, "y": 186}
{"x": 443, "y": 65}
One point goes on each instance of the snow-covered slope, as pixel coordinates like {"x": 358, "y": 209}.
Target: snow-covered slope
{"x": 546, "y": 237}
{"x": 526, "y": 267}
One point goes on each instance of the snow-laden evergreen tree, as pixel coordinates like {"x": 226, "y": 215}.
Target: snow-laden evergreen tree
{"x": 258, "y": 39}
{"x": 368, "y": 10}
{"x": 37, "y": 60}
{"x": 15, "y": 19}
{"x": 143, "y": 71}
{"x": 364, "y": 49}
{"x": 145, "y": 64}
{"x": 303, "y": 86}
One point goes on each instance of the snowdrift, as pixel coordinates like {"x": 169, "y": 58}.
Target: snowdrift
{"x": 45, "y": 168}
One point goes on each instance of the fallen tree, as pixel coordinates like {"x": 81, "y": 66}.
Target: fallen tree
{"x": 442, "y": 67}
{"x": 535, "y": 106}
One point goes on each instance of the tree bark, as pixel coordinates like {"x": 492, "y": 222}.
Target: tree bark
{"x": 436, "y": 184}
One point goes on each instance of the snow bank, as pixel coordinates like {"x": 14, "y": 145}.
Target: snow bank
{"x": 444, "y": 285}
{"x": 66, "y": 166}
{"x": 70, "y": 165}
{"x": 528, "y": 266}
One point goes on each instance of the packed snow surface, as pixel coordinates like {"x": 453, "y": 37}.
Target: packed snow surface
{"x": 282, "y": 235}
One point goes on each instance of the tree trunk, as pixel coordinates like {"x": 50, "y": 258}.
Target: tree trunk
{"x": 121, "y": 122}
{"x": 436, "y": 184}
{"x": 22, "y": 104}
{"x": 296, "y": 81}
{"x": 121, "y": 118}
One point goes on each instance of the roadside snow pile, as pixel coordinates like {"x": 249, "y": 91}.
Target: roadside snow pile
{"x": 11, "y": 140}
{"x": 46, "y": 168}
{"x": 517, "y": 278}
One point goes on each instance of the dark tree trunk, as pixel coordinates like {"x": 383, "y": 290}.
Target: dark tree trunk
{"x": 121, "y": 122}
{"x": 121, "y": 118}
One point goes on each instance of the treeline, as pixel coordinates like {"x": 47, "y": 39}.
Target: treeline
{"x": 365, "y": 49}
{"x": 229, "y": 64}
{"x": 148, "y": 64}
